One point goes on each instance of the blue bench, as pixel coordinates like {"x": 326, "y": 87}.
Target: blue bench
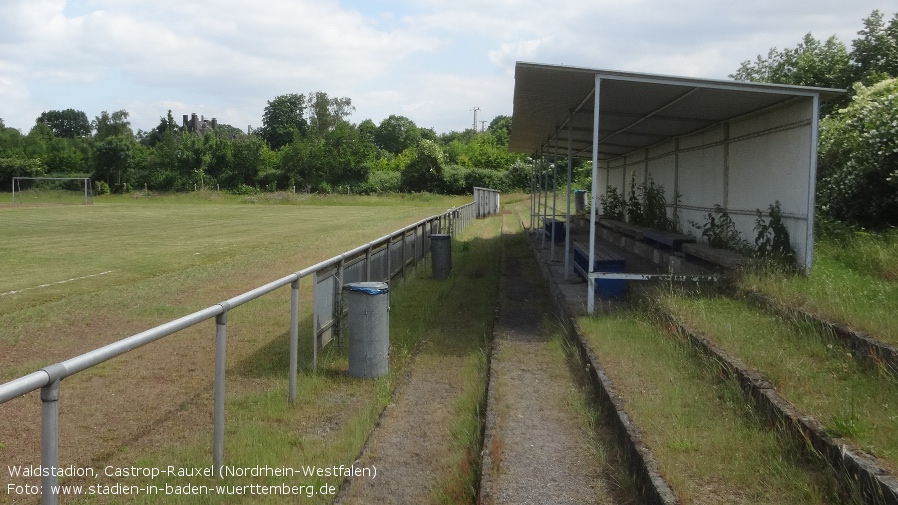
{"x": 673, "y": 241}
{"x": 604, "y": 261}
{"x": 558, "y": 225}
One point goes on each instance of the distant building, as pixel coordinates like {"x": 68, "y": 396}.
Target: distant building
{"x": 199, "y": 124}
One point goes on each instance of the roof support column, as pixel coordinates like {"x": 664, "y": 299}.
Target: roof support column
{"x": 570, "y": 168}
{"x": 532, "y": 195}
{"x": 554, "y": 195}
{"x": 590, "y": 282}
{"x": 812, "y": 185}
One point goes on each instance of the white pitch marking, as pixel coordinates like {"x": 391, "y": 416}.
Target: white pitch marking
{"x": 54, "y": 283}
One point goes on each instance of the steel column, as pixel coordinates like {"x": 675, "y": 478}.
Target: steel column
{"x": 554, "y": 196}
{"x": 570, "y": 169}
{"x": 591, "y": 296}
{"x": 221, "y": 335}
{"x": 294, "y": 339}
{"x": 50, "y": 442}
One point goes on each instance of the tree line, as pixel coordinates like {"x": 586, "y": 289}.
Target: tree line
{"x": 857, "y": 172}
{"x": 306, "y": 143}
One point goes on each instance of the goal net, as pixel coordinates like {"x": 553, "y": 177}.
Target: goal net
{"x": 65, "y": 190}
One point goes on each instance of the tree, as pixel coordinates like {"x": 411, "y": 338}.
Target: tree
{"x": 810, "y": 63}
{"x": 283, "y": 120}
{"x": 396, "y": 134}
{"x": 500, "y": 128}
{"x": 875, "y": 52}
{"x": 110, "y": 125}
{"x": 325, "y": 113}
{"x": 113, "y": 159}
{"x": 154, "y": 136}
{"x": 425, "y": 171}
{"x": 69, "y": 123}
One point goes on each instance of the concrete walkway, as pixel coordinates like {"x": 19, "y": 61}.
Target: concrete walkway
{"x": 537, "y": 448}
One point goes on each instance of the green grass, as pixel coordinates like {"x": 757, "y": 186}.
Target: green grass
{"x": 175, "y": 254}
{"x": 854, "y": 281}
{"x": 708, "y": 444}
{"x": 812, "y": 371}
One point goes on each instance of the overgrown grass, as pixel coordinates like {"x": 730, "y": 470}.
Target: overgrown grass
{"x": 808, "y": 368}
{"x": 854, "y": 281}
{"x": 708, "y": 444}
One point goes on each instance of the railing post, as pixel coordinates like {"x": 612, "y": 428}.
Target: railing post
{"x": 294, "y": 339}
{"x": 404, "y": 260}
{"x": 338, "y": 304}
{"x": 314, "y": 322}
{"x": 389, "y": 259}
{"x": 221, "y": 334}
{"x": 49, "y": 441}
{"x": 368, "y": 264}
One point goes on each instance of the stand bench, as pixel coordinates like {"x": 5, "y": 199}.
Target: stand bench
{"x": 674, "y": 241}
{"x": 604, "y": 261}
{"x": 558, "y": 225}
{"x": 722, "y": 257}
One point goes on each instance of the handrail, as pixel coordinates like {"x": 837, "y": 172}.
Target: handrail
{"x": 48, "y": 378}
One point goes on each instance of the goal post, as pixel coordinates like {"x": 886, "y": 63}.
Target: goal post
{"x": 84, "y": 184}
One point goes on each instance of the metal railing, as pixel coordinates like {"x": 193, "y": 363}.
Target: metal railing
{"x": 382, "y": 259}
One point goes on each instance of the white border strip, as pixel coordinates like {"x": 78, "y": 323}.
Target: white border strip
{"x": 55, "y": 283}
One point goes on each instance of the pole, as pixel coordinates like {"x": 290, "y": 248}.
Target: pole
{"x": 221, "y": 334}
{"x": 294, "y": 339}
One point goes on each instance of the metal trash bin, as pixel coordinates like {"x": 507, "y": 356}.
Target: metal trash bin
{"x": 441, "y": 255}
{"x": 368, "y": 314}
{"x": 579, "y": 201}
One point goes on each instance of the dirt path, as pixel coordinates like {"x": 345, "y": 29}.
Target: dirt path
{"x": 537, "y": 447}
{"x": 410, "y": 447}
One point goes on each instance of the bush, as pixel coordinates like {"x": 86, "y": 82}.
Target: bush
{"x": 101, "y": 188}
{"x": 380, "y": 181}
{"x": 518, "y": 176}
{"x": 859, "y": 158}
{"x": 454, "y": 177}
{"x": 425, "y": 171}
{"x": 484, "y": 178}
{"x": 244, "y": 189}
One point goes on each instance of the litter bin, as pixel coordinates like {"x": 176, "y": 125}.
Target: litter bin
{"x": 441, "y": 255}
{"x": 368, "y": 313}
{"x": 580, "y": 201}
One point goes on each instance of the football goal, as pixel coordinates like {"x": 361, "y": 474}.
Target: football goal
{"x": 52, "y": 190}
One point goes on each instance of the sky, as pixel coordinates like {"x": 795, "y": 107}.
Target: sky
{"x": 433, "y": 61}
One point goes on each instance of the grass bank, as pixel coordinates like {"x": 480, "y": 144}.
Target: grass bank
{"x": 708, "y": 443}
{"x": 808, "y": 367}
{"x": 854, "y": 281}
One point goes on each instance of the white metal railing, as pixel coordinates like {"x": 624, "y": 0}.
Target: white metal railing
{"x": 382, "y": 259}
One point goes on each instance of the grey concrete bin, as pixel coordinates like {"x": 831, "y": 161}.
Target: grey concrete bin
{"x": 441, "y": 255}
{"x": 368, "y": 313}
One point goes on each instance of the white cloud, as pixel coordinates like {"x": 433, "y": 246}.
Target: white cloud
{"x": 431, "y": 59}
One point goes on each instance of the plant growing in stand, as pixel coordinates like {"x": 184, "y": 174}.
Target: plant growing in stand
{"x": 720, "y": 231}
{"x": 613, "y": 204}
{"x": 634, "y": 205}
{"x": 772, "y": 240}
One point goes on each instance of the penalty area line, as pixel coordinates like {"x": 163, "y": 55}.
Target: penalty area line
{"x": 55, "y": 283}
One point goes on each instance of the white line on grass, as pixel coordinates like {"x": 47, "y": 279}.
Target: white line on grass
{"x": 54, "y": 283}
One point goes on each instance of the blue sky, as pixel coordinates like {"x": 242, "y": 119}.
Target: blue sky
{"x": 430, "y": 60}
